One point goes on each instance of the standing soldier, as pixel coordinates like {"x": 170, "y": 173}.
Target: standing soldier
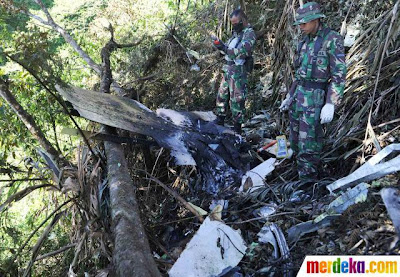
{"x": 320, "y": 73}
{"x": 238, "y": 61}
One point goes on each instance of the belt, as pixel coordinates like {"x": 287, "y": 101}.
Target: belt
{"x": 313, "y": 84}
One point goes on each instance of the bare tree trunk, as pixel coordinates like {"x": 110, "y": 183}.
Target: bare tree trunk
{"x": 132, "y": 254}
{"x": 30, "y": 123}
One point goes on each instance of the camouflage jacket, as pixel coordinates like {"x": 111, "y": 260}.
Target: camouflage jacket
{"x": 245, "y": 47}
{"x": 330, "y": 63}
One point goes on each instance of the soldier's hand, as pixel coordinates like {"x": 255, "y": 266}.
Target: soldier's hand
{"x": 327, "y": 113}
{"x": 285, "y": 104}
{"x": 219, "y": 45}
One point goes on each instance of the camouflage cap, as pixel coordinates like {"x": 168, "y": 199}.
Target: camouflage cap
{"x": 308, "y": 12}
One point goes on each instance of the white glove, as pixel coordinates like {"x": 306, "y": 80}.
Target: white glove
{"x": 285, "y": 103}
{"x": 327, "y": 113}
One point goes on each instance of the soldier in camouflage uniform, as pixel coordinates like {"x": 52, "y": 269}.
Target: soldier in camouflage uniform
{"x": 238, "y": 55}
{"x": 319, "y": 84}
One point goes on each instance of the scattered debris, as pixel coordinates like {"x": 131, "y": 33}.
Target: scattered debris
{"x": 299, "y": 196}
{"x": 282, "y": 151}
{"x": 224, "y": 204}
{"x": 214, "y": 247}
{"x": 333, "y": 210}
{"x": 265, "y": 211}
{"x": 371, "y": 170}
{"x": 391, "y": 198}
{"x": 272, "y": 234}
{"x": 352, "y": 196}
{"x": 195, "y": 67}
{"x": 254, "y": 178}
{"x": 268, "y": 145}
{"x": 299, "y": 230}
{"x": 351, "y": 34}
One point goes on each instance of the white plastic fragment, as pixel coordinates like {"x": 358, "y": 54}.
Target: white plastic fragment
{"x": 267, "y": 210}
{"x": 266, "y": 236}
{"x": 206, "y": 116}
{"x": 176, "y": 117}
{"x": 254, "y": 178}
{"x": 391, "y": 198}
{"x": 371, "y": 170}
{"x": 214, "y": 247}
{"x": 223, "y": 203}
{"x": 195, "y": 67}
{"x": 213, "y": 146}
{"x": 351, "y": 35}
{"x": 271, "y": 233}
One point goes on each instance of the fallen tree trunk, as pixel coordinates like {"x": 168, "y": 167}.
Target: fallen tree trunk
{"x": 132, "y": 255}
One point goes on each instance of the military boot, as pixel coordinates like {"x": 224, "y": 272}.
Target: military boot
{"x": 220, "y": 120}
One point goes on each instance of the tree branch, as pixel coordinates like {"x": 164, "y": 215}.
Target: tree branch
{"x": 177, "y": 197}
{"x": 59, "y": 100}
{"x": 23, "y": 180}
{"x": 37, "y": 229}
{"x": 21, "y": 194}
{"x": 30, "y": 123}
{"x": 68, "y": 38}
{"x": 131, "y": 255}
{"x": 50, "y": 22}
{"x": 40, "y": 242}
{"x": 62, "y": 249}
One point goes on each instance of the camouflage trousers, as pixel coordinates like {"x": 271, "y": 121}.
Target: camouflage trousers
{"x": 306, "y": 139}
{"x": 233, "y": 89}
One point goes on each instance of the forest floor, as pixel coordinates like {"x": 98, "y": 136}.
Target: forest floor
{"x": 364, "y": 228}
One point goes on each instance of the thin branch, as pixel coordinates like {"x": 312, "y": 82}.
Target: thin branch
{"x": 78, "y": 251}
{"x": 178, "y": 197}
{"x": 44, "y": 9}
{"x": 127, "y": 45}
{"x": 40, "y": 242}
{"x": 21, "y": 194}
{"x": 30, "y": 123}
{"x": 23, "y": 180}
{"x": 53, "y": 253}
{"x": 53, "y": 123}
{"x": 69, "y": 39}
{"x": 37, "y": 229}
